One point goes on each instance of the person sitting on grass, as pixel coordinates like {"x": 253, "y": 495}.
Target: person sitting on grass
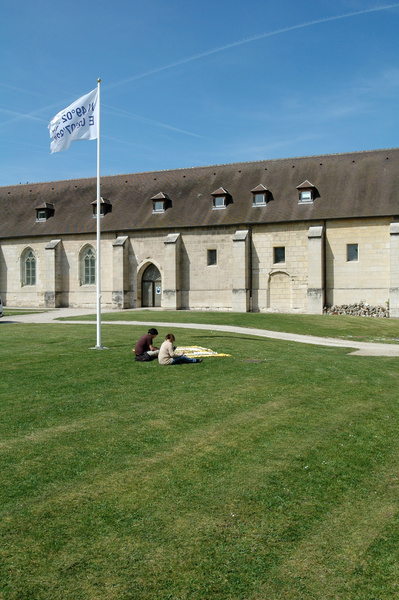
{"x": 168, "y": 356}
{"x": 145, "y": 350}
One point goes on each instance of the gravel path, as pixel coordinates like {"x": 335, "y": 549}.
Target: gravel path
{"x": 359, "y": 348}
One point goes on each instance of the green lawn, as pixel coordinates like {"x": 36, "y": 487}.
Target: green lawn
{"x": 365, "y": 329}
{"x": 272, "y": 474}
{"x": 9, "y": 312}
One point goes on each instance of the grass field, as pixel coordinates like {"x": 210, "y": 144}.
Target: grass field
{"x": 272, "y": 474}
{"x": 9, "y": 312}
{"x": 364, "y": 329}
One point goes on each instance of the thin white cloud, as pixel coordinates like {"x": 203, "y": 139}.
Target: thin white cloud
{"x": 379, "y": 85}
{"x": 352, "y": 99}
{"x": 248, "y": 40}
{"x": 20, "y": 90}
{"x": 131, "y": 115}
{"x": 32, "y": 115}
{"x": 358, "y": 97}
{"x": 17, "y": 116}
{"x": 258, "y": 148}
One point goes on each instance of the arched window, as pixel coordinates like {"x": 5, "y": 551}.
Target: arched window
{"x": 88, "y": 266}
{"x": 29, "y": 268}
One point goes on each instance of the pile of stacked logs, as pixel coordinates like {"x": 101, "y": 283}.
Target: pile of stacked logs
{"x": 360, "y": 309}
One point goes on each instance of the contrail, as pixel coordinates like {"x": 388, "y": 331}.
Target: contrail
{"x": 206, "y": 53}
{"x": 152, "y": 122}
{"x": 16, "y": 116}
{"x": 247, "y": 40}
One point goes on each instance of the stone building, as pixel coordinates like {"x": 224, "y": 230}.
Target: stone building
{"x": 289, "y": 235}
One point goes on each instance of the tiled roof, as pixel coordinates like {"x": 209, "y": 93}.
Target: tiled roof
{"x": 360, "y": 184}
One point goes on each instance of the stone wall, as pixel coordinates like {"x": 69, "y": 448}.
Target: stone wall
{"x": 67, "y": 275}
{"x": 280, "y": 286}
{"x": 243, "y": 276}
{"x": 369, "y": 276}
{"x": 203, "y": 286}
{"x": 361, "y": 309}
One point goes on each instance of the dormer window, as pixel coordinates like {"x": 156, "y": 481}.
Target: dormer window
{"x": 307, "y": 192}
{"x": 305, "y": 196}
{"x": 105, "y": 207}
{"x": 221, "y": 198}
{"x": 259, "y": 195}
{"x": 44, "y": 211}
{"x": 160, "y": 202}
{"x": 158, "y": 206}
{"x": 259, "y": 200}
{"x": 219, "y": 202}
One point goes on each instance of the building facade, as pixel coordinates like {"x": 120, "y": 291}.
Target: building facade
{"x": 288, "y": 235}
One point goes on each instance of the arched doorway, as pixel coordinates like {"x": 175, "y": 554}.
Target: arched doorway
{"x": 151, "y": 287}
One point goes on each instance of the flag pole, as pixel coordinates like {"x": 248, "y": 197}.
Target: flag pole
{"x": 98, "y": 261}
{"x": 81, "y": 121}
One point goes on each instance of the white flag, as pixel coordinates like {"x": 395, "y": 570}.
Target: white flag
{"x": 79, "y": 121}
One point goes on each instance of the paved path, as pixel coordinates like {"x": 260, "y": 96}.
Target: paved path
{"x": 360, "y": 348}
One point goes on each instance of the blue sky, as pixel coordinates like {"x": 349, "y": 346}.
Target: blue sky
{"x": 196, "y": 83}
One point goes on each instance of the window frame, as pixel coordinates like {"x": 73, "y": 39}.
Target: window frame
{"x": 216, "y": 199}
{"x": 29, "y": 268}
{"x": 352, "y": 252}
{"x": 259, "y": 195}
{"x": 210, "y": 261}
{"x": 161, "y": 204}
{"x": 88, "y": 272}
{"x": 41, "y": 215}
{"x": 303, "y": 199}
{"x": 276, "y": 250}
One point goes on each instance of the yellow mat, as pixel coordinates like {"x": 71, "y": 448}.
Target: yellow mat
{"x": 197, "y": 351}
